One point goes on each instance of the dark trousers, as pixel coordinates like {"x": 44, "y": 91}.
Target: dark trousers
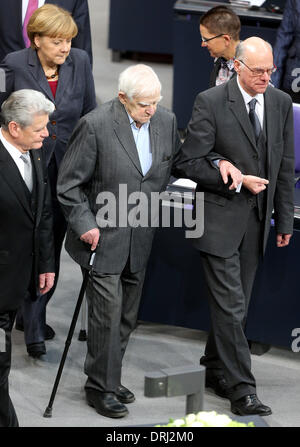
{"x": 229, "y": 283}
{"x": 8, "y": 417}
{"x": 32, "y": 314}
{"x": 113, "y": 303}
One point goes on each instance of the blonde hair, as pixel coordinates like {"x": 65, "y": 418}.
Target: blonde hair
{"x": 51, "y": 21}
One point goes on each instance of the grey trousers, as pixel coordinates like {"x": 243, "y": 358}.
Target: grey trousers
{"x": 229, "y": 283}
{"x": 113, "y": 303}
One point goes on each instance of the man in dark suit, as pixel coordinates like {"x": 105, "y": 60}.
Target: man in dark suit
{"x": 220, "y": 32}
{"x": 119, "y": 151}
{"x": 244, "y": 163}
{"x": 26, "y": 240}
{"x": 73, "y": 97}
{"x": 11, "y": 23}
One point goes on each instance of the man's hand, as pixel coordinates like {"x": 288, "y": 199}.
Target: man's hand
{"x": 283, "y": 240}
{"x": 254, "y": 184}
{"x": 91, "y": 237}
{"x": 227, "y": 169}
{"x": 46, "y": 281}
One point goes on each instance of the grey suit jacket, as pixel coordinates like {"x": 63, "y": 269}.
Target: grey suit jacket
{"x": 220, "y": 128}
{"x": 101, "y": 156}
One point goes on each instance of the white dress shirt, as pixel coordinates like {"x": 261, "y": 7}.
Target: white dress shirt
{"x": 25, "y": 5}
{"x": 14, "y": 153}
{"x": 141, "y": 137}
{"x": 259, "y": 106}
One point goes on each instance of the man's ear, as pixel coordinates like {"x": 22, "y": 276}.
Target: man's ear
{"x": 227, "y": 39}
{"x": 122, "y": 97}
{"x": 14, "y": 129}
{"x": 237, "y": 66}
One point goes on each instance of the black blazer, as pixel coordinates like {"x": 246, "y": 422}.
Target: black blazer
{"x": 11, "y": 37}
{"x": 75, "y": 94}
{"x": 26, "y": 240}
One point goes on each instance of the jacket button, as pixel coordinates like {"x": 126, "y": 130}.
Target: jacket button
{"x": 53, "y": 123}
{"x": 53, "y": 137}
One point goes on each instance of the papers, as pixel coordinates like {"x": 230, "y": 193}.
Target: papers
{"x": 247, "y": 3}
{"x": 256, "y": 2}
{"x": 185, "y": 183}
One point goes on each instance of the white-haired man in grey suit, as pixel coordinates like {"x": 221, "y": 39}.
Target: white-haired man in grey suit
{"x": 123, "y": 149}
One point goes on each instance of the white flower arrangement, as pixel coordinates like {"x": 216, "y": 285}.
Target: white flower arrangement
{"x": 206, "y": 419}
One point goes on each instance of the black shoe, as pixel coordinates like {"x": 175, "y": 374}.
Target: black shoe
{"x": 124, "y": 395}
{"x": 219, "y": 385}
{"x": 250, "y": 404}
{"x": 36, "y": 350}
{"x": 49, "y": 332}
{"x": 106, "y": 404}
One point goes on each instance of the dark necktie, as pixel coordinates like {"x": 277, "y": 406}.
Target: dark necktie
{"x": 223, "y": 62}
{"x": 254, "y": 119}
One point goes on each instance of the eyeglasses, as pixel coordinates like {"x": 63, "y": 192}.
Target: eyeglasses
{"x": 211, "y": 38}
{"x": 260, "y": 71}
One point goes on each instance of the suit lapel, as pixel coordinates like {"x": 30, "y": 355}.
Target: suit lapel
{"x": 238, "y": 108}
{"x": 10, "y": 173}
{"x": 154, "y": 141}
{"x": 37, "y": 163}
{"x": 36, "y": 70}
{"x": 270, "y": 122}
{"x": 214, "y": 72}
{"x": 124, "y": 133}
{"x": 16, "y": 6}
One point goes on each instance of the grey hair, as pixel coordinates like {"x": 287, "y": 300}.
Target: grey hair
{"x": 139, "y": 80}
{"x": 22, "y": 105}
{"x": 241, "y": 49}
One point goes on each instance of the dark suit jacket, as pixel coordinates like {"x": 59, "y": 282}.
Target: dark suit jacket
{"x": 101, "y": 156}
{"x": 220, "y": 128}
{"x": 75, "y": 94}
{"x": 11, "y": 37}
{"x": 287, "y": 47}
{"x": 26, "y": 240}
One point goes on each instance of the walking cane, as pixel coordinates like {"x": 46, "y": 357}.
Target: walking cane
{"x": 48, "y": 411}
{"x": 82, "y": 333}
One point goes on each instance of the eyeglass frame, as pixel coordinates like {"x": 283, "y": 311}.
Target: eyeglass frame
{"x": 273, "y": 69}
{"x": 204, "y": 40}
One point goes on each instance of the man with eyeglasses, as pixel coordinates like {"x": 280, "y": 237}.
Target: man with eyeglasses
{"x": 118, "y": 155}
{"x": 220, "y": 30}
{"x": 240, "y": 150}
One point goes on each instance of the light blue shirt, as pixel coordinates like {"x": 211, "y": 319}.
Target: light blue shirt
{"x": 142, "y": 141}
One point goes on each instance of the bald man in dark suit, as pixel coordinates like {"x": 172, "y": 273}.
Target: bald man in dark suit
{"x": 243, "y": 129}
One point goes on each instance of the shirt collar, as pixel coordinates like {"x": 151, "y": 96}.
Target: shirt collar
{"x": 131, "y": 120}
{"x": 13, "y": 151}
{"x": 247, "y": 98}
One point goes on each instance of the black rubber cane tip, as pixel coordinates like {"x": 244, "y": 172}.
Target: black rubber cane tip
{"x": 82, "y": 335}
{"x": 48, "y": 412}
